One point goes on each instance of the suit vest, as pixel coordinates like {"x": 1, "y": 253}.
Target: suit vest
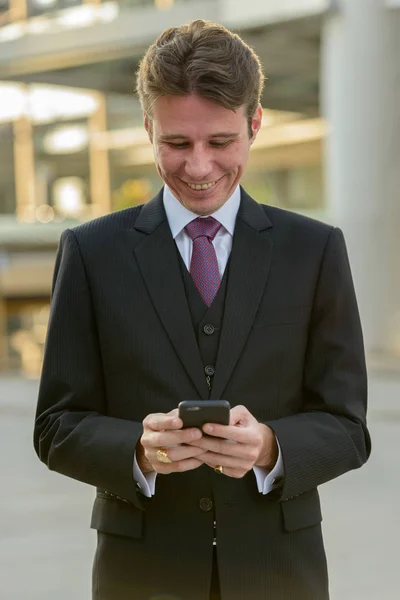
{"x": 207, "y": 321}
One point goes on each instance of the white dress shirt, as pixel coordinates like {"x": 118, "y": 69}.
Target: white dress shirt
{"x": 178, "y": 217}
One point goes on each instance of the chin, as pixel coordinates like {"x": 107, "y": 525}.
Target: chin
{"x": 203, "y": 208}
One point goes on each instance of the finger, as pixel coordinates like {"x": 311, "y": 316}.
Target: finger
{"x": 243, "y": 435}
{"x": 178, "y": 467}
{"x": 234, "y": 473}
{"x": 162, "y": 422}
{"x": 170, "y": 438}
{"x": 223, "y": 446}
{"x": 176, "y": 454}
{"x": 174, "y": 412}
{"x": 240, "y": 416}
{"x": 212, "y": 460}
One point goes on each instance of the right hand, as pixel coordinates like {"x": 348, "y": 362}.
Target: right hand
{"x": 162, "y": 430}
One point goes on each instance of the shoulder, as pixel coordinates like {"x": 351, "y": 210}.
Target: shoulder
{"x": 286, "y": 219}
{"x": 108, "y": 225}
{"x": 300, "y": 236}
{"x": 102, "y": 231}
{"x": 96, "y": 239}
{"x": 296, "y": 229}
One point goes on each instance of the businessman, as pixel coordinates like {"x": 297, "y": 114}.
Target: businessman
{"x": 203, "y": 293}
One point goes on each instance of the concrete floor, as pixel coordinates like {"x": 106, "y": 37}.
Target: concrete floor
{"x": 46, "y": 546}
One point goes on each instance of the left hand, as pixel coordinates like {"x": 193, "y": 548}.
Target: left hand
{"x": 239, "y": 446}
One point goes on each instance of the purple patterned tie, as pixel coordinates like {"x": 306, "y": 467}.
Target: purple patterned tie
{"x": 204, "y": 265}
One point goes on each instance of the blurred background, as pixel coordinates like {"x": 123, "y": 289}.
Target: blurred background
{"x": 73, "y": 147}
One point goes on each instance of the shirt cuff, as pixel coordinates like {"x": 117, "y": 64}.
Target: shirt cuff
{"x": 146, "y": 482}
{"x": 269, "y": 480}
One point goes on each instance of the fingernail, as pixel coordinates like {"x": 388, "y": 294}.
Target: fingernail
{"x": 208, "y": 428}
{"x": 175, "y": 423}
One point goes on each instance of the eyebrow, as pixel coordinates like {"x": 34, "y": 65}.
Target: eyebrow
{"x": 177, "y": 136}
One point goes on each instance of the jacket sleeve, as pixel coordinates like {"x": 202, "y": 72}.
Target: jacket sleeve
{"x": 73, "y": 434}
{"x": 330, "y": 436}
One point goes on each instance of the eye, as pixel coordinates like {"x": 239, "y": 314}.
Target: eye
{"x": 220, "y": 144}
{"x": 178, "y": 146}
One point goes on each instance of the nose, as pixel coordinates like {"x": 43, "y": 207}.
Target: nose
{"x": 198, "y": 165}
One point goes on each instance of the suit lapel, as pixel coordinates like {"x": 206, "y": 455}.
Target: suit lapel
{"x": 248, "y": 272}
{"x": 157, "y": 258}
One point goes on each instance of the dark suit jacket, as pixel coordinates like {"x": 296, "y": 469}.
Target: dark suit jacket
{"x": 121, "y": 345}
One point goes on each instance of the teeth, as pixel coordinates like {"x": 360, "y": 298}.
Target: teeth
{"x": 205, "y": 186}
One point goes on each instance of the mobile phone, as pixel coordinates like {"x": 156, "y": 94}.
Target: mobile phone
{"x": 196, "y": 413}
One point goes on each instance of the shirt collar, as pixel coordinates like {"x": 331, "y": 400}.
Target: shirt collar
{"x": 178, "y": 216}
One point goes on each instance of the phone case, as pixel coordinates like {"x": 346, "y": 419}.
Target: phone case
{"x": 195, "y": 413}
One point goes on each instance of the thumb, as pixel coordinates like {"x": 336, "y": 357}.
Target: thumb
{"x": 240, "y": 416}
{"x": 174, "y": 412}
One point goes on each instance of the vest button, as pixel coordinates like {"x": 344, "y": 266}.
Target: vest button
{"x": 208, "y": 329}
{"x": 205, "y": 504}
{"x": 209, "y": 370}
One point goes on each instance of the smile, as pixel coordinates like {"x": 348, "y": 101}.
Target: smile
{"x": 203, "y": 186}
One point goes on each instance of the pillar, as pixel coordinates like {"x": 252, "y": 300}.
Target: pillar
{"x": 360, "y": 76}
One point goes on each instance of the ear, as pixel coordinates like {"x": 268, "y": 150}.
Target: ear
{"x": 148, "y": 125}
{"x": 256, "y": 122}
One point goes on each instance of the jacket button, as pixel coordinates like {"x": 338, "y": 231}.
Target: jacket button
{"x": 209, "y": 370}
{"x": 205, "y": 504}
{"x": 208, "y": 329}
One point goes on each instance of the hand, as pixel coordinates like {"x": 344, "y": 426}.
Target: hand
{"x": 239, "y": 446}
{"x": 165, "y": 431}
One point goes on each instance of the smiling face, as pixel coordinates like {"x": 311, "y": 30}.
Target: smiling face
{"x": 200, "y": 149}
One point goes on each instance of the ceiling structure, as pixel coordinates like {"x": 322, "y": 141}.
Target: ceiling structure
{"x": 289, "y": 52}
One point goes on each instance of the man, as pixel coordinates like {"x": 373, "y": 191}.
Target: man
{"x": 204, "y": 294}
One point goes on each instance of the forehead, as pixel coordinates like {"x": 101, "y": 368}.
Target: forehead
{"x": 188, "y": 115}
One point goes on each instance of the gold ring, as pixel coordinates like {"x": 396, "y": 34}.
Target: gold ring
{"x": 162, "y": 456}
{"x": 219, "y": 469}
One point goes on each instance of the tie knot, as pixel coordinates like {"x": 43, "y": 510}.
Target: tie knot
{"x": 207, "y": 227}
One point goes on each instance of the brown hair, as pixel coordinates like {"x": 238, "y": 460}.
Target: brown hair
{"x": 201, "y": 58}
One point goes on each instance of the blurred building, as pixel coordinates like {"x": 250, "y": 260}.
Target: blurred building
{"x": 72, "y": 144}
